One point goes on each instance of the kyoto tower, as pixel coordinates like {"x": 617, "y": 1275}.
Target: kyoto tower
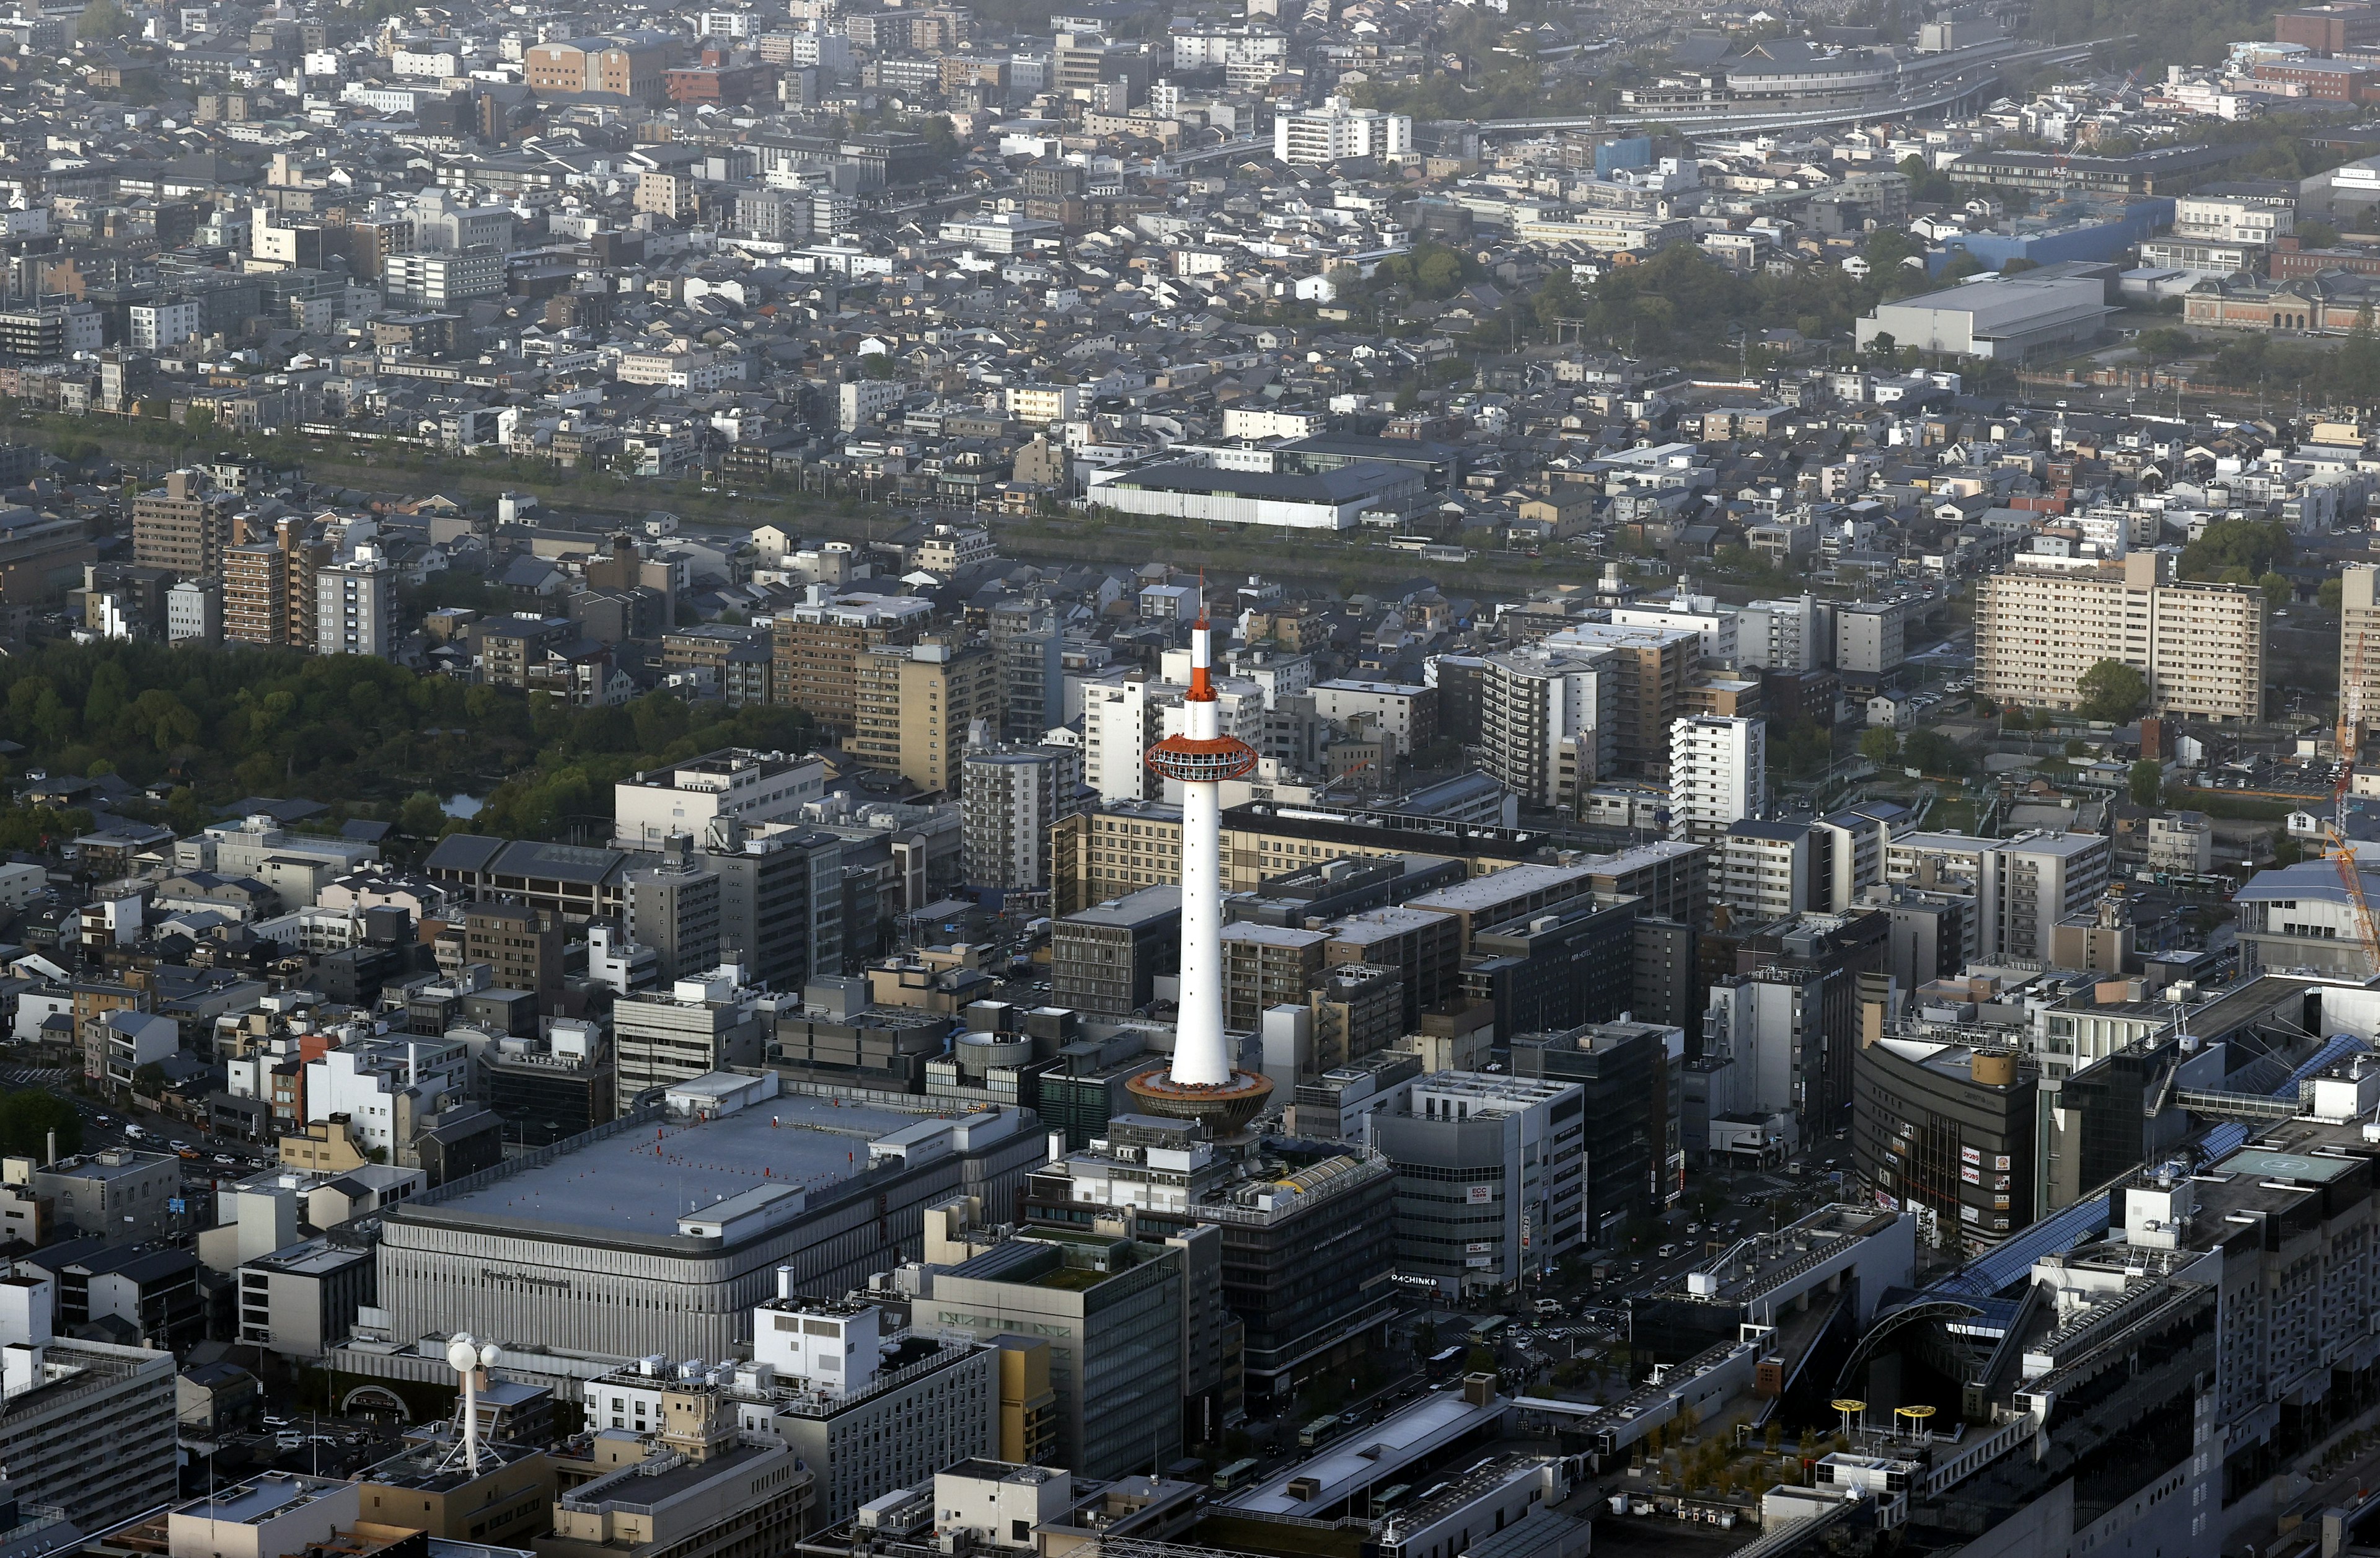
{"x": 1201, "y": 1083}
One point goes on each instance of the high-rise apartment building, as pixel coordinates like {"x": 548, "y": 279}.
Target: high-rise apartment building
{"x": 1009, "y": 798}
{"x": 1027, "y": 643}
{"x": 1655, "y": 663}
{"x": 182, "y": 527}
{"x": 817, "y": 649}
{"x": 256, "y": 593}
{"x": 913, "y": 704}
{"x": 1549, "y": 721}
{"x": 1338, "y": 130}
{"x": 1718, "y": 776}
{"x": 2358, "y": 648}
{"x": 2042, "y": 624}
{"x": 2020, "y": 887}
{"x": 355, "y": 600}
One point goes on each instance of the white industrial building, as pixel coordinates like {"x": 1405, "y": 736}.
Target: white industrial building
{"x": 2014, "y": 319}
{"x": 1331, "y": 500}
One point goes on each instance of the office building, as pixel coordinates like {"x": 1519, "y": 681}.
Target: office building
{"x": 87, "y": 1427}
{"x": 1946, "y": 1131}
{"x": 733, "y": 781}
{"x": 1491, "y": 1176}
{"x": 506, "y": 1500}
{"x": 701, "y": 1024}
{"x": 1307, "y": 1247}
{"x": 2199, "y": 647}
{"x": 861, "y": 1408}
{"x": 1113, "y": 1308}
{"x": 780, "y": 906}
{"x": 521, "y": 951}
{"x": 1105, "y": 960}
{"x": 1718, "y": 776}
{"x": 1632, "y": 1139}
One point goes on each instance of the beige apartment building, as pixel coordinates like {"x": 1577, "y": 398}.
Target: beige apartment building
{"x": 912, "y": 705}
{"x": 2200, "y": 647}
{"x": 2359, "y": 647}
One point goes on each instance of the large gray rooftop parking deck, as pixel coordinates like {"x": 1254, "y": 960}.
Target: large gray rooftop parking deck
{"x": 641, "y": 1180}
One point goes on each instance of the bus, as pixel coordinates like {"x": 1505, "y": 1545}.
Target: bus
{"x": 1483, "y": 1334}
{"x": 1441, "y": 1362}
{"x": 1234, "y": 1474}
{"x": 1312, "y": 1433}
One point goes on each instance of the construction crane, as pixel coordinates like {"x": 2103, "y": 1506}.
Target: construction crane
{"x": 2349, "y": 741}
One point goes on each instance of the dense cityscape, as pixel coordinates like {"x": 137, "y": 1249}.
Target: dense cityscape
{"x": 1524, "y": 778}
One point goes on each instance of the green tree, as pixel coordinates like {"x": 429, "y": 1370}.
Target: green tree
{"x": 1880, "y": 745}
{"x": 149, "y": 1081}
{"x": 2278, "y": 590}
{"x": 2165, "y": 342}
{"x": 2250, "y": 545}
{"x": 2113, "y": 691}
{"x": 421, "y": 815}
{"x": 2331, "y": 595}
{"x": 2316, "y": 235}
{"x": 26, "y": 1120}
{"x": 101, "y": 18}
{"x": 2148, "y": 782}
{"x": 1930, "y": 751}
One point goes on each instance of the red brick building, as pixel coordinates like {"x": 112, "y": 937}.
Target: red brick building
{"x": 2326, "y": 80}
{"x": 2327, "y": 30}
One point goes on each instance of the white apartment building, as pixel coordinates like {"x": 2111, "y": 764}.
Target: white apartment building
{"x": 733, "y": 781}
{"x": 1043, "y": 404}
{"x": 1339, "y": 130}
{"x": 1397, "y": 709}
{"x": 1871, "y": 637}
{"x": 155, "y": 326}
{"x": 1765, "y": 870}
{"x": 354, "y": 601}
{"x": 1718, "y": 776}
{"x": 2043, "y": 623}
{"x": 1121, "y": 719}
{"x": 861, "y": 401}
{"x": 1787, "y": 635}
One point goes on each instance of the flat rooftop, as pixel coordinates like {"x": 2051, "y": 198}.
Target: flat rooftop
{"x": 640, "y": 1180}
{"x": 2296, "y": 1166}
{"x": 1370, "y": 1455}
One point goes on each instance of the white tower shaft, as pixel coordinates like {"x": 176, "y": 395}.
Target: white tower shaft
{"x": 1201, "y": 1056}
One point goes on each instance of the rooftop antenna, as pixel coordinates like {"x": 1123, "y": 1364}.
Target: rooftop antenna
{"x": 471, "y": 1359}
